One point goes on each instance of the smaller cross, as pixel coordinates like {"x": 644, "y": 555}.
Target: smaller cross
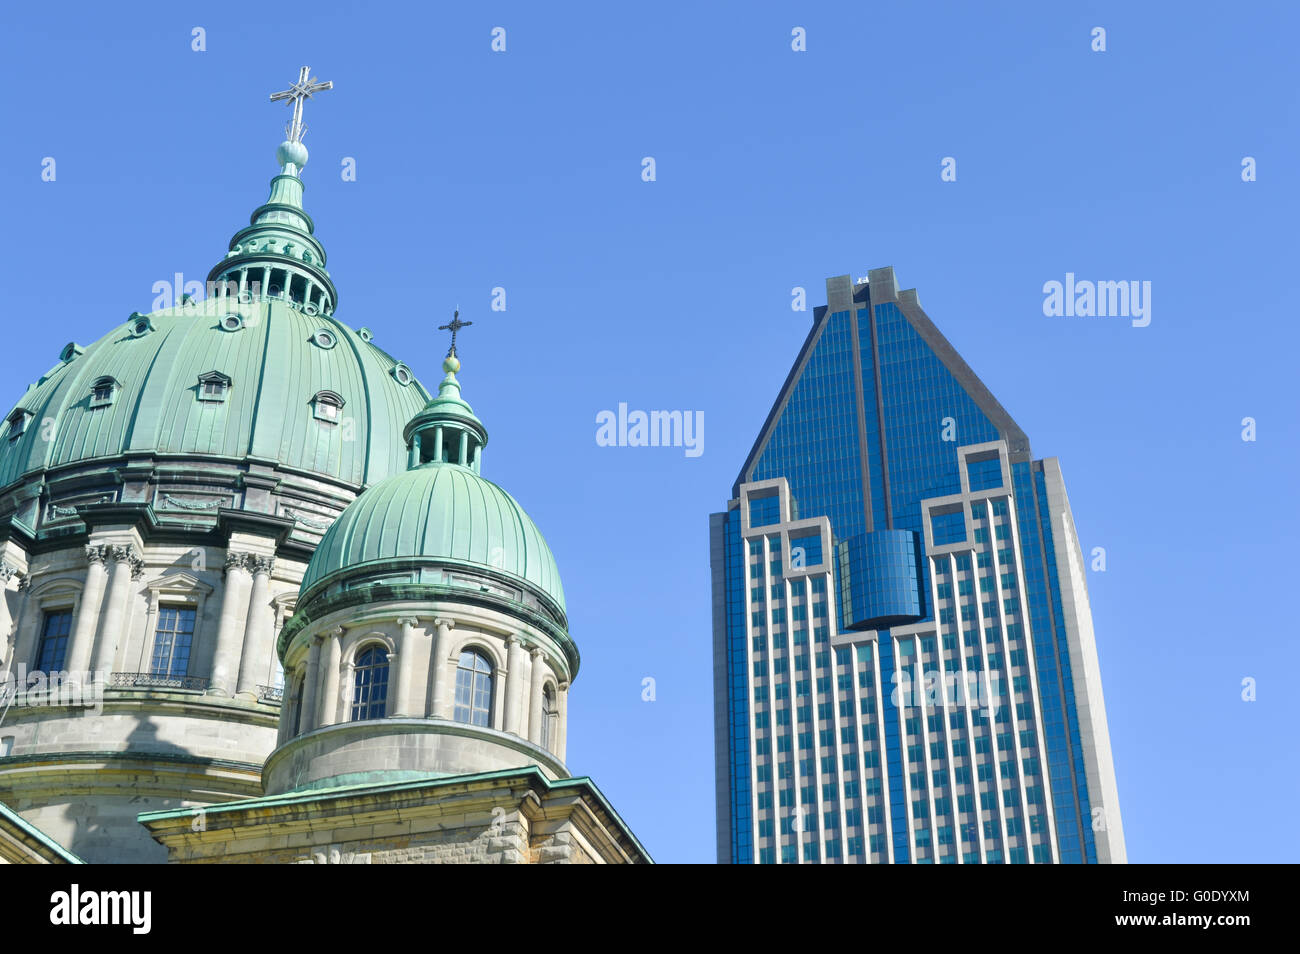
{"x": 294, "y": 96}
{"x": 454, "y": 326}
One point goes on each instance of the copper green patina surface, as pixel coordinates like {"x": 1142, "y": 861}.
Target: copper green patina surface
{"x": 272, "y": 354}
{"x": 275, "y": 373}
{"x": 437, "y": 510}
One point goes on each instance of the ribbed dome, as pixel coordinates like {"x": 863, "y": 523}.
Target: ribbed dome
{"x": 275, "y": 365}
{"x": 441, "y": 511}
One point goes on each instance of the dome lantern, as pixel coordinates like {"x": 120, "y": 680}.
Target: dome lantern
{"x": 278, "y": 256}
{"x": 446, "y": 431}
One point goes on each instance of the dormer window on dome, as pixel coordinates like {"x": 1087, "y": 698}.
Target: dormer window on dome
{"x": 328, "y": 406}
{"x": 231, "y": 322}
{"x": 18, "y": 422}
{"x": 140, "y": 325}
{"x": 213, "y": 386}
{"x": 324, "y": 339}
{"x": 103, "y": 392}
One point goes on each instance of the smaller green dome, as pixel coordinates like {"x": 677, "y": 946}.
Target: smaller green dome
{"x": 437, "y": 511}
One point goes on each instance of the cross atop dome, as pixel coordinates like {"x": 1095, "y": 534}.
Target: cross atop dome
{"x": 294, "y": 96}
{"x": 454, "y": 326}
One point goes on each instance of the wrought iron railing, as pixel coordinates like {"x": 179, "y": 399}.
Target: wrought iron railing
{"x": 153, "y": 680}
{"x": 270, "y": 694}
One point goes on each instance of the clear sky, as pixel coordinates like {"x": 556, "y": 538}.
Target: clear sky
{"x": 774, "y": 169}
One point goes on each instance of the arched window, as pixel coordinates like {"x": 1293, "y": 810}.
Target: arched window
{"x": 550, "y": 718}
{"x": 474, "y": 689}
{"x": 370, "y": 684}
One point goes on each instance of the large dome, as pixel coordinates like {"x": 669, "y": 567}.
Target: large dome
{"x": 441, "y": 512}
{"x": 222, "y": 379}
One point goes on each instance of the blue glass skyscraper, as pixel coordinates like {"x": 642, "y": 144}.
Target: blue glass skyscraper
{"x": 905, "y": 668}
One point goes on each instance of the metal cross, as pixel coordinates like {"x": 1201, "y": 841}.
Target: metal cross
{"x": 294, "y": 96}
{"x": 454, "y": 326}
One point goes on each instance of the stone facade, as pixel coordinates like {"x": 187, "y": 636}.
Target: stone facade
{"x": 422, "y": 642}
{"x": 130, "y": 737}
{"x": 510, "y": 817}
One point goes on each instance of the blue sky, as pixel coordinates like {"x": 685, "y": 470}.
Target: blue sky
{"x": 774, "y": 169}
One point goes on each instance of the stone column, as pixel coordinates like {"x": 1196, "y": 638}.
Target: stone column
{"x": 230, "y": 638}
{"x": 259, "y": 629}
{"x": 92, "y": 600}
{"x": 562, "y": 720}
{"x": 7, "y": 573}
{"x": 125, "y": 564}
{"x": 309, "y": 702}
{"x": 25, "y": 631}
{"x": 535, "y": 698}
{"x": 439, "y": 705}
{"x": 400, "y": 703}
{"x": 515, "y": 656}
{"x": 331, "y": 660}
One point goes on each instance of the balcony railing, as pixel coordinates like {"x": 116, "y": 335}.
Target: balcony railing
{"x": 273, "y": 695}
{"x": 153, "y": 680}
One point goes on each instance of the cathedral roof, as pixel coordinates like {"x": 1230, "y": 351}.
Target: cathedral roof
{"x": 440, "y": 510}
{"x": 241, "y": 375}
{"x": 140, "y": 389}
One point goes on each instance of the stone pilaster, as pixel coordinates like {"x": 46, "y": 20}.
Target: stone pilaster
{"x": 440, "y": 702}
{"x": 401, "y": 704}
{"x": 7, "y": 573}
{"x": 259, "y": 629}
{"x": 230, "y": 636}
{"x": 535, "y": 698}
{"x": 126, "y": 565}
{"x": 331, "y": 660}
{"x": 515, "y": 655}
{"x": 562, "y": 720}
{"x": 310, "y": 702}
{"x": 82, "y": 642}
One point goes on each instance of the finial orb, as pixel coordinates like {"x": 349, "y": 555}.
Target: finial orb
{"x": 290, "y": 151}
{"x": 451, "y": 364}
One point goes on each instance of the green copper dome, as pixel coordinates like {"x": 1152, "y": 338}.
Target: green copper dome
{"x": 260, "y": 371}
{"x": 227, "y": 380}
{"x": 439, "y": 512}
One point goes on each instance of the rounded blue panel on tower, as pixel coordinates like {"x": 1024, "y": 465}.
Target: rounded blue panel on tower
{"x": 880, "y": 579}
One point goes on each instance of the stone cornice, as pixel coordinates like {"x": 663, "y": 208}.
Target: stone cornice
{"x": 231, "y": 521}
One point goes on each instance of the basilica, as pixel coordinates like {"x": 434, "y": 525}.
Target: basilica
{"x": 260, "y": 604}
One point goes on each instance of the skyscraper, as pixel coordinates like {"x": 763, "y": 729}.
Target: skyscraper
{"x": 904, "y": 661}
